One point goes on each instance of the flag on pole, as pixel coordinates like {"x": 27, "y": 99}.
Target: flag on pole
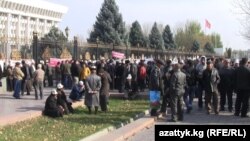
{"x": 207, "y": 24}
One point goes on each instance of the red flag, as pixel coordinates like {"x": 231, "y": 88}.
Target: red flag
{"x": 207, "y": 24}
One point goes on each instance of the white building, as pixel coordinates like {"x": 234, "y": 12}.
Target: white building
{"x": 19, "y": 18}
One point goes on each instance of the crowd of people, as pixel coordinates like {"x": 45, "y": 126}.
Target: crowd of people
{"x": 179, "y": 82}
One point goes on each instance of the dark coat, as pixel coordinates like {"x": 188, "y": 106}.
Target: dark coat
{"x": 242, "y": 78}
{"x": 105, "y": 80}
{"x": 211, "y": 79}
{"x": 51, "y": 107}
{"x": 155, "y": 79}
{"x": 226, "y": 76}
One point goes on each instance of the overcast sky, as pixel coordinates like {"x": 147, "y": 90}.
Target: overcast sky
{"x": 221, "y": 14}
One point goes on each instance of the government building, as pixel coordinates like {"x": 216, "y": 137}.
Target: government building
{"x": 20, "y": 18}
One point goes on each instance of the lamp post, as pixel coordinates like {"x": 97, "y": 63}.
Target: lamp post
{"x": 35, "y": 42}
{"x": 67, "y": 32}
{"x": 97, "y": 41}
{"x": 137, "y": 50}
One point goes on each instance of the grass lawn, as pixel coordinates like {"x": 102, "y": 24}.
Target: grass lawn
{"x": 73, "y": 127}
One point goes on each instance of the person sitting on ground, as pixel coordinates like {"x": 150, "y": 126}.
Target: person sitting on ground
{"x": 77, "y": 91}
{"x": 51, "y": 107}
{"x": 62, "y": 100}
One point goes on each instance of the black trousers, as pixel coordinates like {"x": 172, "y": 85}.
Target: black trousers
{"x": 103, "y": 102}
{"x": 226, "y": 94}
{"x": 241, "y": 105}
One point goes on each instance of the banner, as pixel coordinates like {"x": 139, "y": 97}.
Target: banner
{"x": 118, "y": 55}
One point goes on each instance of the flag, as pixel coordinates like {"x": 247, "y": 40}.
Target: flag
{"x": 207, "y": 24}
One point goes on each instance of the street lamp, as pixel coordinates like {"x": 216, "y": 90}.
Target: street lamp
{"x": 35, "y": 47}
{"x": 67, "y": 32}
{"x": 97, "y": 41}
{"x": 137, "y": 50}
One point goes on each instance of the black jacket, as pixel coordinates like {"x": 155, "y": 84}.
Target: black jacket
{"x": 242, "y": 78}
{"x": 226, "y": 75}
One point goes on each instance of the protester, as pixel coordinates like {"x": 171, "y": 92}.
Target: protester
{"x": 93, "y": 85}
{"x": 242, "y": 83}
{"x": 26, "y": 79}
{"x": 177, "y": 90}
{"x": 226, "y": 86}
{"x": 51, "y": 108}
{"x": 77, "y": 91}
{"x": 104, "y": 91}
{"x": 62, "y": 100}
{"x": 18, "y": 76}
{"x": 211, "y": 80}
{"x": 38, "y": 81}
{"x": 156, "y": 81}
{"x": 200, "y": 67}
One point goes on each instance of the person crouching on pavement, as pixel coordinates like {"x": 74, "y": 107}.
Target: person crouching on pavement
{"x": 177, "y": 90}
{"x": 62, "y": 100}
{"x": 51, "y": 107}
{"x": 93, "y": 85}
{"x": 211, "y": 80}
{"x": 104, "y": 91}
{"x": 77, "y": 91}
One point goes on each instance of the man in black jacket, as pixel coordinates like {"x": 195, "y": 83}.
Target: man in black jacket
{"x": 242, "y": 84}
{"x": 226, "y": 86}
{"x": 51, "y": 107}
{"x": 211, "y": 80}
{"x": 26, "y": 79}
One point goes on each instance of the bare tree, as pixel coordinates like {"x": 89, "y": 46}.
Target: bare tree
{"x": 243, "y": 8}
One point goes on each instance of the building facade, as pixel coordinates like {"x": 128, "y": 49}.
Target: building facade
{"x": 20, "y": 18}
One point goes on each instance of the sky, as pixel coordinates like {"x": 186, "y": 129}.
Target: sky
{"x": 221, "y": 14}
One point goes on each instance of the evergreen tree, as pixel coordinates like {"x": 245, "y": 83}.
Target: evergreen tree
{"x": 196, "y": 46}
{"x": 168, "y": 38}
{"x": 135, "y": 35}
{"x": 55, "y": 34}
{"x": 155, "y": 38}
{"x": 209, "y": 48}
{"x": 109, "y": 26}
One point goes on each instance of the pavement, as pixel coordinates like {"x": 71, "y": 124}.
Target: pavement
{"x": 142, "y": 128}
{"x": 15, "y": 110}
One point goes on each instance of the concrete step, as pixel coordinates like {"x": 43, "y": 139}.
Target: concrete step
{"x": 127, "y": 131}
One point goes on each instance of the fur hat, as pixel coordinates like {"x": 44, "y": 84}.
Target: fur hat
{"x": 54, "y": 92}
{"x": 59, "y": 86}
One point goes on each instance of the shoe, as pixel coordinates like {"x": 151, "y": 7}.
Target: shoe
{"x": 180, "y": 119}
{"x": 217, "y": 113}
{"x": 244, "y": 116}
{"x": 222, "y": 109}
{"x": 208, "y": 112}
{"x": 236, "y": 114}
{"x": 171, "y": 120}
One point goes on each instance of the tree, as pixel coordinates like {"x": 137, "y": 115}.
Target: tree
{"x": 168, "y": 38}
{"x": 209, "y": 48}
{"x": 216, "y": 40}
{"x": 196, "y": 46}
{"x": 244, "y": 7}
{"x": 135, "y": 35}
{"x": 155, "y": 38}
{"x": 186, "y": 35}
{"x": 229, "y": 52}
{"x": 109, "y": 26}
{"x": 55, "y": 34}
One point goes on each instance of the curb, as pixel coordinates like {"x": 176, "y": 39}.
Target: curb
{"x": 14, "y": 118}
{"x": 113, "y": 132}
